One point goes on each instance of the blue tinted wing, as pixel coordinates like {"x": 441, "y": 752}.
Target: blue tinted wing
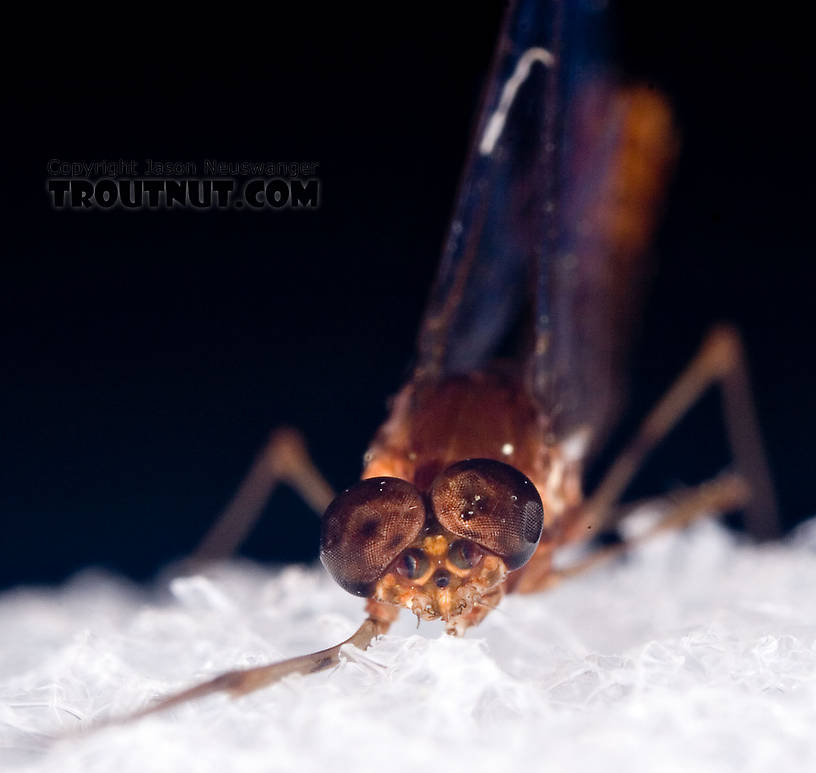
{"x": 617, "y": 145}
{"x": 554, "y": 211}
{"x": 498, "y": 226}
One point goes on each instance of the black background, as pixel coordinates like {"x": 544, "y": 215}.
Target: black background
{"x": 146, "y": 356}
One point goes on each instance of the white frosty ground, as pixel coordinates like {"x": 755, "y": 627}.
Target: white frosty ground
{"x": 695, "y": 654}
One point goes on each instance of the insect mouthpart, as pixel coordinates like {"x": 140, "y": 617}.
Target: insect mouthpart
{"x": 441, "y": 576}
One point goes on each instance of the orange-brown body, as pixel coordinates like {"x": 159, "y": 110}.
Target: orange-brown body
{"x": 624, "y": 147}
{"x": 416, "y": 532}
{"x": 488, "y": 415}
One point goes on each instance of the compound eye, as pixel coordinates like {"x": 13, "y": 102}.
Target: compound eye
{"x": 412, "y": 564}
{"x": 464, "y": 554}
{"x": 366, "y": 528}
{"x": 492, "y": 504}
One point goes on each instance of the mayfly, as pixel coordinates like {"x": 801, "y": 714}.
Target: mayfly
{"x": 475, "y": 478}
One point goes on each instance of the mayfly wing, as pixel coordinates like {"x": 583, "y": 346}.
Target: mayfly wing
{"x": 614, "y": 145}
{"x": 554, "y": 210}
{"x": 483, "y": 282}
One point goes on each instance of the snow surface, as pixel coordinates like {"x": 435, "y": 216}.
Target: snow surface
{"x": 695, "y": 653}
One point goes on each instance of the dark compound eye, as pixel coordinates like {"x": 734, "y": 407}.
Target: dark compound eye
{"x": 412, "y": 564}
{"x": 366, "y": 528}
{"x": 464, "y": 554}
{"x": 491, "y": 504}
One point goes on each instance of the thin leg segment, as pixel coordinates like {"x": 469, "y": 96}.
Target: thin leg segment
{"x": 244, "y": 681}
{"x": 722, "y": 494}
{"x": 284, "y": 459}
{"x": 248, "y": 680}
{"x": 721, "y": 360}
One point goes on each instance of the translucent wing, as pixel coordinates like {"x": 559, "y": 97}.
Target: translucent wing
{"x": 617, "y": 146}
{"x": 554, "y": 211}
{"x": 497, "y": 227}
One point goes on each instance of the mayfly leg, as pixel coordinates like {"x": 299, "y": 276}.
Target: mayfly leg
{"x": 724, "y": 493}
{"x": 727, "y": 492}
{"x": 720, "y": 360}
{"x": 284, "y": 459}
{"x": 244, "y": 681}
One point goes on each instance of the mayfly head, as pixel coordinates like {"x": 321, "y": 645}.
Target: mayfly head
{"x": 437, "y": 553}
